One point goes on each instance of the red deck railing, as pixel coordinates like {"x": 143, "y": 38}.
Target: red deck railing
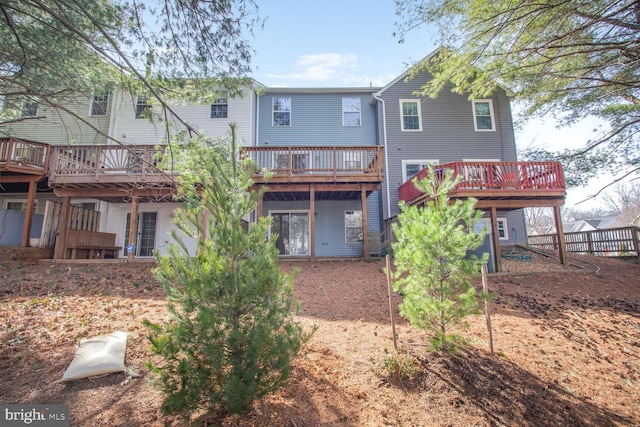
{"x": 494, "y": 177}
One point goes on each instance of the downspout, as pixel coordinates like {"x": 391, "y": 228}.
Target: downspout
{"x": 386, "y": 156}
{"x": 257, "y": 99}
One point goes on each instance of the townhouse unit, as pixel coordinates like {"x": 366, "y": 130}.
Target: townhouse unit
{"x": 340, "y": 161}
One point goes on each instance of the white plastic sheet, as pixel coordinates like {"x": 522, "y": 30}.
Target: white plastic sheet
{"x": 96, "y": 356}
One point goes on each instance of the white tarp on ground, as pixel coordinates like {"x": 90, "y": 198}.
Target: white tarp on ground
{"x": 96, "y": 356}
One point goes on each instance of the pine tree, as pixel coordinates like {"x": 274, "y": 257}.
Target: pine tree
{"x": 231, "y": 335}
{"x": 432, "y": 267}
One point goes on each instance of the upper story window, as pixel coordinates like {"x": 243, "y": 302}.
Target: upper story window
{"x": 350, "y": 111}
{"x": 411, "y": 167}
{"x": 411, "y": 118}
{"x": 143, "y": 108}
{"x": 99, "y": 103}
{"x": 220, "y": 107}
{"x": 29, "y": 108}
{"x": 281, "y": 111}
{"x": 483, "y": 115}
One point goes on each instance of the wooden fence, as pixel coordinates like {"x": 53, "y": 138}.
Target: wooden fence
{"x": 624, "y": 241}
{"x": 79, "y": 219}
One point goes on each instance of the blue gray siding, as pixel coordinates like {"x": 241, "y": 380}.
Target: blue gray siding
{"x": 329, "y": 223}
{"x": 447, "y": 133}
{"x": 316, "y": 120}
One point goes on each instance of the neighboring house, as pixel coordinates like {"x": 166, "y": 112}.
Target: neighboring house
{"x": 450, "y": 128}
{"x": 340, "y": 159}
{"x": 93, "y": 165}
{"x": 321, "y": 147}
{"x": 569, "y": 227}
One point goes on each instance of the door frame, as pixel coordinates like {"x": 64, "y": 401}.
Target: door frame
{"x": 127, "y": 226}
{"x": 290, "y": 211}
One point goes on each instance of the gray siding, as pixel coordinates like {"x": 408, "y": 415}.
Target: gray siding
{"x": 447, "y": 133}
{"x": 329, "y": 223}
{"x": 316, "y": 119}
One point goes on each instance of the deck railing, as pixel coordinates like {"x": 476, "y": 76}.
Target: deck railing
{"x": 23, "y": 155}
{"x": 93, "y": 162}
{"x": 494, "y": 176}
{"x": 623, "y": 241}
{"x": 325, "y": 161}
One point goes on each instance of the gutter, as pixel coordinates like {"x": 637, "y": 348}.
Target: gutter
{"x": 376, "y": 96}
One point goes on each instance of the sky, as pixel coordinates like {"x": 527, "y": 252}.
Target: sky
{"x": 350, "y": 43}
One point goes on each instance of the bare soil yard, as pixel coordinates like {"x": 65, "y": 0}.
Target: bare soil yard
{"x": 567, "y": 347}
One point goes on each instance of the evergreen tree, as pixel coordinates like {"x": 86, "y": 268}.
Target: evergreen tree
{"x": 231, "y": 334}
{"x": 433, "y": 269}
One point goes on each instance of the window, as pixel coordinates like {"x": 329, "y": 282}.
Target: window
{"x": 353, "y": 227}
{"x": 411, "y": 167}
{"x": 99, "y": 103}
{"x": 350, "y": 111}
{"x": 503, "y": 233}
{"x": 29, "y": 108}
{"x": 410, "y": 115}
{"x": 220, "y": 106}
{"x": 143, "y": 108}
{"x": 352, "y": 160}
{"x": 20, "y": 206}
{"x": 281, "y": 111}
{"x": 483, "y": 115}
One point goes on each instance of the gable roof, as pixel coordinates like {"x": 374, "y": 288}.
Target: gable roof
{"x": 406, "y": 73}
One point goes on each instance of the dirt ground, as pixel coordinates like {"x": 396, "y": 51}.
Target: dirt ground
{"x": 567, "y": 348}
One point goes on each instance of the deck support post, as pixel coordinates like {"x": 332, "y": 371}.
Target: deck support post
{"x": 365, "y": 228}
{"x": 60, "y": 250}
{"x": 562, "y": 247}
{"x": 133, "y": 228}
{"x": 495, "y": 239}
{"x": 28, "y": 214}
{"x": 312, "y": 222}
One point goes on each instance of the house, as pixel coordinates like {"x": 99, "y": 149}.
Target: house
{"x": 101, "y": 158}
{"x": 475, "y": 139}
{"x": 327, "y": 170}
{"x": 340, "y": 160}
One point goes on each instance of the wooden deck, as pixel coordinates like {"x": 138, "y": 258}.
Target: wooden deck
{"x": 22, "y": 157}
{"x": 504, "y": 185}
{"x": 107, "y": 166}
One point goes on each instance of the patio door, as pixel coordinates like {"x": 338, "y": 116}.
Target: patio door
{"x": 146, "y": 238}
{"x": 292, "y": 230}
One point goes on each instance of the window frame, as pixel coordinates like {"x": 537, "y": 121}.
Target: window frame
{"x": 476, "y": 116}
{"x": 359, "y": 111}
{"x": 140, "y": 112}
{"x": 23, "y": 204}
{"x": 274, "y": 111}
{"x": 415, "y": 162}
{"x": 402, "y": 116}
{"x": 97, "y": 102}
{"x": 27, "y": 104}
{"x": 222, "y": 102}
{"x": 505, "y": 229}
{"x": 361, "y": 227}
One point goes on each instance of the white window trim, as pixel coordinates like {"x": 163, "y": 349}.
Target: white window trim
{"x": 417, "y": 101}
{"x": 345, "y": 226}
{"x": 413, "y": 162}
{"x": 93, "y": 99}
{"x": 352, "y": 157}
{"x": 487, "y": 222}
{"x": 274, "y": 111}
{"x": 475, "y": 119}
{"x": 145, "y": 103}
{"x": 345, "y": 111}
{"x": 221, "y": 100}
